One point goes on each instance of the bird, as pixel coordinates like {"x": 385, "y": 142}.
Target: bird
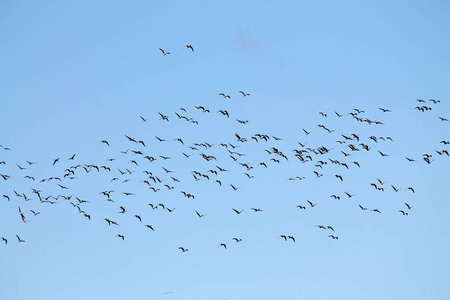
{"x": 317, "y": 174}
{"x": 237, "y": 240}
{"x": 163, "y": 52}
{"x": 224, "y": 95}
{"x": 179, "y": 140}
{"x": 5, "y": 240}
{"x": 183, "y": 249}
{"x": 381, "y": 182}
{"x": 382, "y": 154}
{"x": 237, "y": 211}
{"x": 19, "y": 239}
{"x": 121, "y": 236}
{"x": 199, "y": 215}
{"x": 163, "y": 117}
{"x": 190, "y": 47}
{"x": 244, "y": 94}
{"x": 240, "y": 139}
{"x": 256, "y": 209}
{"x": 223, "y": 245}
{"x": 410, "y": 188}
{"x": 224, "y": 112}
{"x": 362, "y": 208}
{"x": 202, "y": 108}
{"x": 234, "y": 188}
{"x": 395, "y": 189}
{"x": 312, "y": 204}
{"x": 150, "y": 227}
{"x": 292, "y": 238}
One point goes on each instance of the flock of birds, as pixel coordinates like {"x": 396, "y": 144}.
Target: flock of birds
{"x": 137, "y": 162}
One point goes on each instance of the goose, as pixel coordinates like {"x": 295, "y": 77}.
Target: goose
{"x": 163, "y": 52}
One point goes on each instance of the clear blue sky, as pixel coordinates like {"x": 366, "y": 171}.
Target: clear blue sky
{"x": 74, "y": 73}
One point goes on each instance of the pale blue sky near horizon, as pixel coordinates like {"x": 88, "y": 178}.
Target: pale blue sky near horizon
{"x": 74, "y": 73}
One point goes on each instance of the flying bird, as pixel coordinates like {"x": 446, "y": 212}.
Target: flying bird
{"x": 199, "y": 215}
{"x": 363, "y": 208}
{"x": 237, "y": 211}
{"x": 312, "y": 204}
{"x": 256, "y": 209}
{"x": 163, "y": 52}
{"x": 234, "y": 188}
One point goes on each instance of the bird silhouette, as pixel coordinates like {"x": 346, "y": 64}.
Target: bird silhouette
{"x": 163, "y": 52}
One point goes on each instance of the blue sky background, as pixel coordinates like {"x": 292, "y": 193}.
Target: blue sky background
{"x": 74, "y": 73}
